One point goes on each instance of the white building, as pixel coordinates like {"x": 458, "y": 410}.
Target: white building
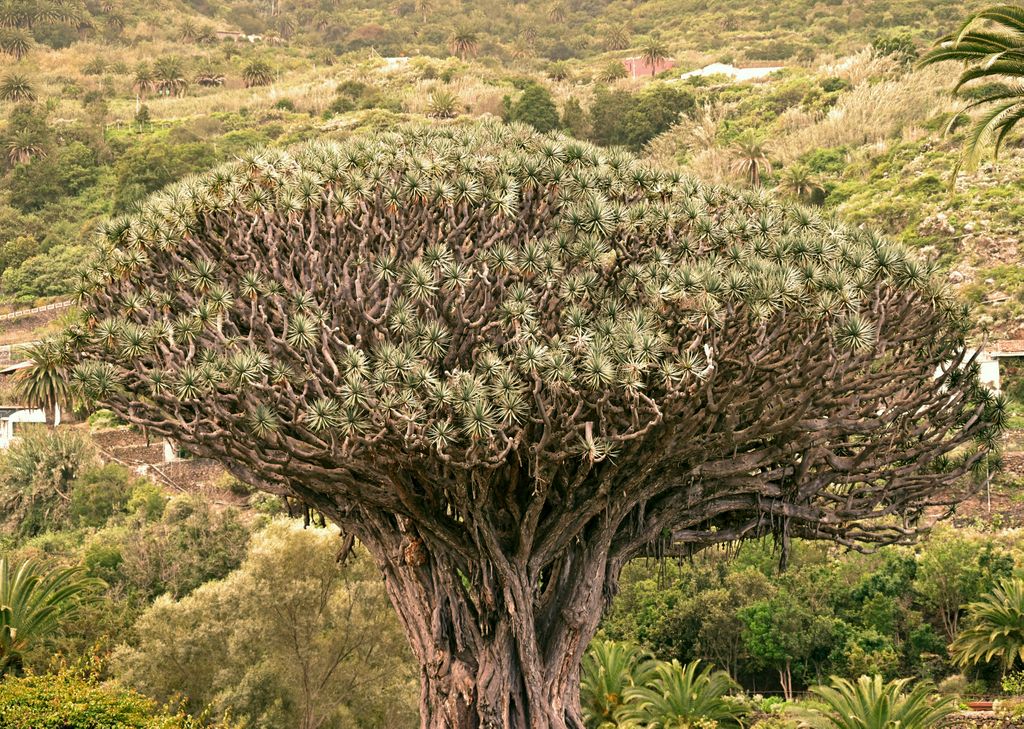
{"x": 737, "y": 74}
{"x": 12, "y": 417}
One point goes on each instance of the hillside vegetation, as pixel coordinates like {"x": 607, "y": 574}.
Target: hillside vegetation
{"x": 139, "y": 95}
{"x": 209, "y": 605}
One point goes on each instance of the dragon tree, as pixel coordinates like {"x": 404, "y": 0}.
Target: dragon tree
{"x": 508, "y": 363}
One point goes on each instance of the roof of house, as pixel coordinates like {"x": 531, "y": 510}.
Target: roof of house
{"x": 12, "y": 368}
{"x": 746, "y": 73}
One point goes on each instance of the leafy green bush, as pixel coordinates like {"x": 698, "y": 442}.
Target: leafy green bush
{"x": 103, "y": 419}
{"x": 632, "y": 120}
{"x": 99, "y": 493}
{"x": 536, "y": 108}
{"x": 290, "y": 634}
{"x": 1013, "y": 683}
{"x": 45, "y": 180}
{"x": 50, "y": 273}
{"x": 74, "y": 699}
{"x": 152, "y": 164}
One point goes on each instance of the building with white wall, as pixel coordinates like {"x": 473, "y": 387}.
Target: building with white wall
{"x": 12, "y": 418}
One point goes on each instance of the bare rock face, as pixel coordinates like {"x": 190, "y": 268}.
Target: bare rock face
{"x": 937, "y": 224}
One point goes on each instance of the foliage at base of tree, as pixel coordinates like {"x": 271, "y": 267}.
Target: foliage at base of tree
{"x": 75, "y": 699}
{"x": 893, "y": 613}
{"x": 872, "y": 703}
{"x": 288, "y": 639}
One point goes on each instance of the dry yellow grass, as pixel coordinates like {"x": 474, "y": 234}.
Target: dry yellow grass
{"x": 872, "y": 112}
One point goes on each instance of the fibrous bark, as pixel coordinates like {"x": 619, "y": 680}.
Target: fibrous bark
{"x": 509, "y": 363}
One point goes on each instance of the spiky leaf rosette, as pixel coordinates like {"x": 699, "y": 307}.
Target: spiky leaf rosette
{"x": 480, "y": 325}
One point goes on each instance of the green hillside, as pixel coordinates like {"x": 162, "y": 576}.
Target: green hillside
{"x": 682, "y": 372}
{"x": 141, "y": 94}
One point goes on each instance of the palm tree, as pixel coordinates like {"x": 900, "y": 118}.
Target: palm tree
{"x": 609, "y": 670}
{"x": 751, "y": 161}
{"x": 33, "y": 601}
{"x": 189, "y": 32}
{"x": 681, "y": 696}
{"x": 653, "y": 53}
{"x": 423, "y": 7}
{"x": 169, "y": 76}
{"x": 996, "y": 628}
{"x": 557, "y": 12}
{"x": 798, "y": 181}
{"x": 990, "y": 43}
{"x": 15, "y": 42}
{"x": 16, "y": 87}
{"x": 209, "y": 75}
{"x": 558, "y": 70}
{"x": 872, "y": 703}
{"x": 23, "y": 147}
{"x": 612, "y": 71}
{"x": 46, "y": 383}
{"x": 144, "y": 80}
{"x": 443, "y": 104}
{"x": 463, "y": 43}
{"x": 616, "y": 37}
{"x": 257, "y": 73}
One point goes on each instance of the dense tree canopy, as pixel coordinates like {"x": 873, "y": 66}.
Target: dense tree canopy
{"x": 509, "y": 362}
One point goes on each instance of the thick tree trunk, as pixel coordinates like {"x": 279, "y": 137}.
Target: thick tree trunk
{"x": 504, "y": 654}
{"x": 489, "y": 691}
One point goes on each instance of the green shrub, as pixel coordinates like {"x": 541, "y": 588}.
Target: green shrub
{"x": 103, "y": 419}
{"x": 1013, "y": 683}
{"x": 50, "y": 273}
{"x": 147, "y": 501}
{"x": 66, "y": 172}
{"x": 632, "y": 120}
{"x": 76, "y": 700}
{"x": 99, "y": 493}
{"x": 536, "y": 108}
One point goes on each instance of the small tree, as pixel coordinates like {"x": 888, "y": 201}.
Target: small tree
{"x": 798, "y": 181}
{"x": 45, "y": 383}
{"x": 168, "y": 76}
{"x": 784, "y": 633}
{"x": 683, "y": 696}
{"x": 327, "y": 648}
{"x": 536, "y": 108}
{"x": 955, "y": 569}
{"x": 145, "y": 80}
{"x": 751, "y": 160}
{"x": 24, "y": 146}
{"x": 610, "y": 669}
{"x": 142, "y": 118}
{"x": 443, "y": 104}
{"x": 508, "y": 363}
{"x": 15, "y": 42}
{"x": 16, "y": 87}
